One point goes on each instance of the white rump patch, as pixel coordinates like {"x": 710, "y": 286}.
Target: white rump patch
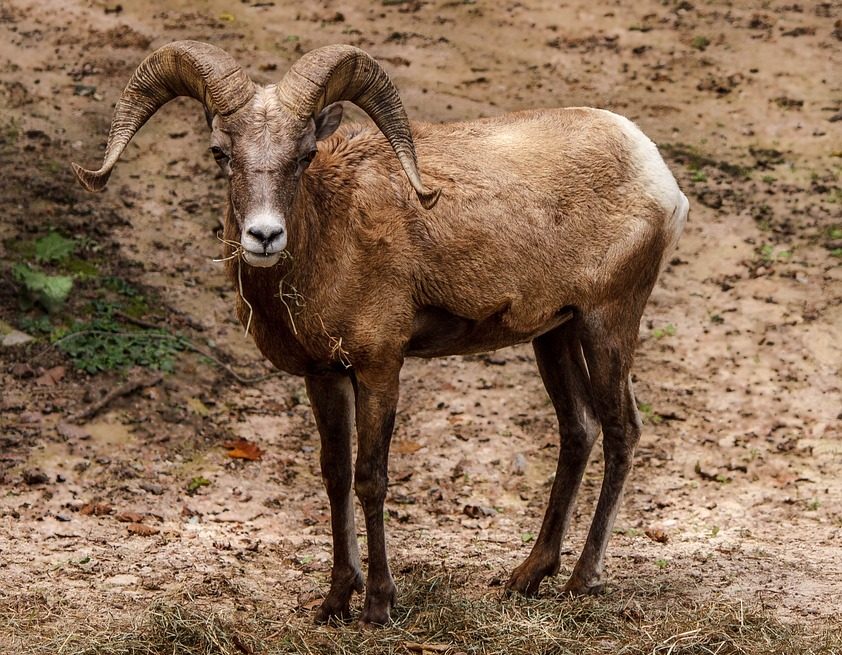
{"x": 656, "y": 177}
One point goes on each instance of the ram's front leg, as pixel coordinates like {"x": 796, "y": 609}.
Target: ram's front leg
{"x": 377, "y": 398}
{"x": 332, "y": 399}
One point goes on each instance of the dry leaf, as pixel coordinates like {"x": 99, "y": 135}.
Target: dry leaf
{"x": 657, "y": 535}
{"x": 406, "y": 447}
{"x": 96, "y": 509}
{"x": 243, "y": 449}
{"x": 142, "y": 530}
{"x": 197, "y": 407}
{"x": 129, "y": 517}
{"x": 51, "y": 377}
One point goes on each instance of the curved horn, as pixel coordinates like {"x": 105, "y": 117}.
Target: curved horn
{"x": 182, "y": 68}
{"x": 343, "y": 72}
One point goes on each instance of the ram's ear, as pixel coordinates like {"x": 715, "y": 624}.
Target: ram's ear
{"x": 328, "y": 120}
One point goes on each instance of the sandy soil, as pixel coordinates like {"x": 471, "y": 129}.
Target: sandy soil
{"x": 738, "y": 368}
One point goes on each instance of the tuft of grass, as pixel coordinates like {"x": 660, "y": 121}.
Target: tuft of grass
{"x": 769, "y": 255}
{"x": 666, "y": 331}
{"x": 649, "y": 415}
{"x": 700, "y": 43}
{"x": 437, "y": 615}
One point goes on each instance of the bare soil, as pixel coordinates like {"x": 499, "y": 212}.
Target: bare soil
{"x": 737, "y": 494}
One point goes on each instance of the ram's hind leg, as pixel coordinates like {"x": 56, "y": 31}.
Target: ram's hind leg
{"x": 565, "y": 376}
{"x": 608, "y": 342}
{"x": 332, "y": 399}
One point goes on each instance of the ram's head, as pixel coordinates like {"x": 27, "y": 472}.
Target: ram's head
{"x": 263, "y": 138}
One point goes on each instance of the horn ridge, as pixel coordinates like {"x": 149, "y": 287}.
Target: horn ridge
{"x": 342, "y": 72}
{"x": 181, "y": 68}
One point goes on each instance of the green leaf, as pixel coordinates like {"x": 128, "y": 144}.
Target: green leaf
{"x": 197, "y": 483}
{"x": 53, "y": 248}
{"x": 50, "y": 291}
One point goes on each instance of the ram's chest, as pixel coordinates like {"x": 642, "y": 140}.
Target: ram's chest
{"x": 274, "y": 339}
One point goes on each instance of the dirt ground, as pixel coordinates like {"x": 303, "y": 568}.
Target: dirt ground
{"x": 736, "y": 496}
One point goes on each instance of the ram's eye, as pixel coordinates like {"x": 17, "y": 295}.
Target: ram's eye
{"x": 218, "y": 154}
{"x": 305, "y": 159}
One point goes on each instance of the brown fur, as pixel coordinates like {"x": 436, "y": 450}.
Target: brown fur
{"x": 551, "y": 227}
{"x": 545, "y": 231}
{"x": 519, "y": 234}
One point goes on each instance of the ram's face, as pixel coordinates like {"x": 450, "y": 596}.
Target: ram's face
{"x": 264, "y": 152}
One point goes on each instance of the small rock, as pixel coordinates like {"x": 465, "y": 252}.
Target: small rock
{"x": 35, "y": 476}
{"x": 519, "y": 464}
{"x": 15, "y": 338}
{"x": 152, "y": 488}
{"x": 122, "y": 580}
{"x": 70, "y": 431}
{"x": 129, "y": 517}
{"x": 142, "y": 530}
{"x": 477, "y": 511}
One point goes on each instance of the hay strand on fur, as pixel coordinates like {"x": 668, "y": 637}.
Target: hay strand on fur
{"x": 238, "y": 254}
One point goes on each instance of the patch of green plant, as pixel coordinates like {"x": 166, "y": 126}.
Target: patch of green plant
{"x": 24, "y": 248}
{"x": 103, "y": 344}
{"x": 700, "y": 42}
{"x": 695, "y": 160}
{"x": 666, "y": 331}
{"x": 699, "y": 176}
{"x": 79, "y": 267}
{"x": 649, "y": 414}
{"x": 9, "y": 133}
{"x": 120, "y": 286}
{"x": 38, "y": 325}
{"x": 717, "y": 319}
{"x": 836, "y": 252}
{"x": 769, "y": 255}
{"x": 53, "y": 248}
{"x": 48, "y": 291}
{"x": 197, "y": 483}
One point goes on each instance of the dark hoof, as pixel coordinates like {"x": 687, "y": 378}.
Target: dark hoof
{"x": 337, "y": 605}
{"x": 578, "y": 587}
{"x": 329, "y": 612}
{"x": 378, "y": 608}
{"x": 527, "y": 578}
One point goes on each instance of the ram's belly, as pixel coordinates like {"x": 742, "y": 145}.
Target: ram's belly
{"x": 438, "y": 332}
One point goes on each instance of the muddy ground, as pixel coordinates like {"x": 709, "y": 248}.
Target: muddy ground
{"x": 736, "y": 495}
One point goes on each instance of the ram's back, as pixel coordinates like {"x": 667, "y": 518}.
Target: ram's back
{"x": 540, "y": 210}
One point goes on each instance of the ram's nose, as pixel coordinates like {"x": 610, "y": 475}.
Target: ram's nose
{"x": 263, "y": 239}
{"x": 266, "y": 235}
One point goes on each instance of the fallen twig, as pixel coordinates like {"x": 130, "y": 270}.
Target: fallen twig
{"x": 123, "y": 390}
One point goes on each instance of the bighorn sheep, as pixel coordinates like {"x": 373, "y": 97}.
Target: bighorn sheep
{"x": 547, "y": 226}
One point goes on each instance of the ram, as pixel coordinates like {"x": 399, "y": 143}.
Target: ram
{"x": 548, "y": 226}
